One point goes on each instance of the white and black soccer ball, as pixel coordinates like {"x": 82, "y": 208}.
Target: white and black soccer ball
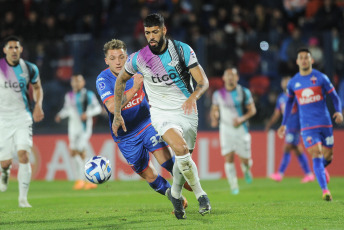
{"x": 98, "y": 170}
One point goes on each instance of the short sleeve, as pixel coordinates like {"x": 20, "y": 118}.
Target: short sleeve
{"x": 248, "y": 95}
{"x": 327, "y": 84}
{"x": 189, "y": 55}
{"x": 105, "y": 89}
{"x": 215, "y": 99}
{"x": 131, "y": 64}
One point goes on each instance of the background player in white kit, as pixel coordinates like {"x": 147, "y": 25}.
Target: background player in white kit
{"x": 80, "y": 106}
{"x": 168, "y": 67}
{"x": 233, "y": 106}
{"x": 15, "y": 114}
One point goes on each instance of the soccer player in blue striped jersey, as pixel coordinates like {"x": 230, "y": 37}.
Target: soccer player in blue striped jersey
{"x": 168, "y": 67}
{"x": 310, "y": 87}
{"x": 16, "y": 116}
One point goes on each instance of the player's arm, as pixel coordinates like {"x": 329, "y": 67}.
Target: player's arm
{"x": 287, "y": 111}
{"x": 138, "y": 79}
{"x": 93, "y": 108}
{"x": 121, "y": 81}
{"x": 274, "y": 118}
{"x": 201, "y": 79}
{"x": 214, "y": 115}
{"x": 251, "y": 111}
{"x": 338, "y": 116}
{"x": 38, "y": 113}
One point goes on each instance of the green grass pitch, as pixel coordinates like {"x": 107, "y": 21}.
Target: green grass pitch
{"x": 133, "y": 205}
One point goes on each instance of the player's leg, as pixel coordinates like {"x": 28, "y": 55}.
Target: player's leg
{"x": 230, "y": 171}
{"x": 187, "y": 167}
{"x": 328, "y": 155}
{"x": 79, "y": 167}
{"x": 327, "y": 144}
{"x": 312, "y": 141}
{"x": 244, "y": 152}
{"x": 6, "y": 149}
{"x": 303, "y": 161}
{"x": 23, "y": 143}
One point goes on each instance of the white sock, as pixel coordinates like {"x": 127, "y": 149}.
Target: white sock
{"x": 80, "y": 167}
{"x": 245, "y": 168}
{"x": 5, "y": 172}
{"x": 231, "y": 175}
{"x": 24, "y": 178}
{"x": 178, "y": 182}
{"x": 189, "y": 170}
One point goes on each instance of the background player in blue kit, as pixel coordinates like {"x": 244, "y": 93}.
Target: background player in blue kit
{"x": 169, "y": 68}
{"x": 310, "y": 87}
{"x": 140, "y": 138}
{"x": 292, "y": 137}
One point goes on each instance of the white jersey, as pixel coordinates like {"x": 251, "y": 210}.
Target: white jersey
{"x": 75, "y": 105}
{"x": 166, "y": 87}
{"x": 14, "y": 85}
{"x": 231, "y": 106}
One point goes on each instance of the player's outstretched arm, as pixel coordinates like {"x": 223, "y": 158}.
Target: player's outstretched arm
{"x": 200, "y": 77}
{"x": 38, "y": 113}
{"x": 251, "y": 111}
{"x": 121, "y": 81}
{"x": 281, "y": 131}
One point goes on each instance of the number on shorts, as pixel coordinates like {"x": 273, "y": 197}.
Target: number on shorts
{"x": 155, "y": 139}
{"x": 329, "y": 140}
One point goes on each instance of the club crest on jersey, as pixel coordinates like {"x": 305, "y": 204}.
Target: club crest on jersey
{"x": 309, "y": 140}
{"x": 101, "y": 85}
{"x": 313, "y": 80}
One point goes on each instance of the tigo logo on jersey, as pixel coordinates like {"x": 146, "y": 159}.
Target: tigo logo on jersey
{"x": 309, "y": 95}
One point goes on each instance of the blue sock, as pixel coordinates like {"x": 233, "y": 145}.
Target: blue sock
{"x": 160, "y": 185}
{"x": 168, "y": 165}
{"x": 285, "y": 162}
{"x": 319, "y": 171}
{"x": 304, "y": 163}
{"x": 326, "y": 162}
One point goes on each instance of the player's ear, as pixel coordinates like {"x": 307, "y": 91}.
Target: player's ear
{"x": 106, "y": 62}
{"x": 164, "y": 30}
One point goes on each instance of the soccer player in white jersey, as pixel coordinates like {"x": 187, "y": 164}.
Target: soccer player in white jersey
{"x": 168, "y": 67}
{"x": 80, "y": 106}
{"x": 233, "y": 106}
{"x": 16, "y": 116}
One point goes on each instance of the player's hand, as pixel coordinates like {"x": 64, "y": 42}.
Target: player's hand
{"x": 338, "y": 117}
{"x": 190, "y": 105}
{"x": 38, "y": 113}
{"x": 57, "y": 119}
{"x": 118, "y": 122}
{"x": 281, "y": 131}
{"x": 138, "y": 79}
{"x": 214, "y": 118}
{"x": 238, "y": 121}
{"x": 83, "y": 117}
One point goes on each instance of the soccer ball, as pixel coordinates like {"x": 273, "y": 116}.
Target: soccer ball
{"x": 98, "y": 170}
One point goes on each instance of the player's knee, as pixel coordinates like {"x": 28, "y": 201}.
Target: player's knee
{"x": 23, "y": 156}
{"x": 181, "y": 149}
{"x": 6, "y": 164}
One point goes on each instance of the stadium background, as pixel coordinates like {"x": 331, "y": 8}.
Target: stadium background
{"x": 67, "y": 36}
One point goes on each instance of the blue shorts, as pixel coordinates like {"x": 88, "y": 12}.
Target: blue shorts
{"x": 312, "y": 137}
{"x": 136, "y": 149}
{"x": 292, "y": 137}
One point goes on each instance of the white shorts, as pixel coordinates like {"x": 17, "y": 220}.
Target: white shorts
{"x": 186, "y": 124}
{"x": 14, "y": 137}
{"x": 240, "y": 144}
{"x": 78, "y": 141}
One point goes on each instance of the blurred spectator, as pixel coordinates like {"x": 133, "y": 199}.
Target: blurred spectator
{"x": 316, "y": 51}
{"x": 329, "y": 16}
{"x": 9, "y": 25}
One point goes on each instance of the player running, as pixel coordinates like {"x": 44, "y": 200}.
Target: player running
{"x": 140, "y": 138}
{"x": 292, "y": 137}
{"x": 16, "y": 115}
{"x": 80, "y": 106}
{"x": 168, "y": 67}
{"x": 310, "y": 87}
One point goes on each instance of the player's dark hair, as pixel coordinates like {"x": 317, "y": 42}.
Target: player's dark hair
{"x": 11, "y": 38}
{"x": 154, "y": 20}
{"x": 303, "y": 49}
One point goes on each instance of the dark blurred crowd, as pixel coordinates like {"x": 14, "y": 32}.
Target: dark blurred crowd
{"x": 259, "y": 37}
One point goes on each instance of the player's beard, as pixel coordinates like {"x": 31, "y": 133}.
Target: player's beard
{"x": 156, "y": 49}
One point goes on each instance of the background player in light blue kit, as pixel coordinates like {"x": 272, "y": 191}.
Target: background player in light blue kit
{"x": 233, "y": 106}
{"x": 140, "y": 138}
{"x": 168, "y": 68}
{"x": 16, "y": 115}
{"x": 310, "y": 87}
{"x": 292, "y": 137}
